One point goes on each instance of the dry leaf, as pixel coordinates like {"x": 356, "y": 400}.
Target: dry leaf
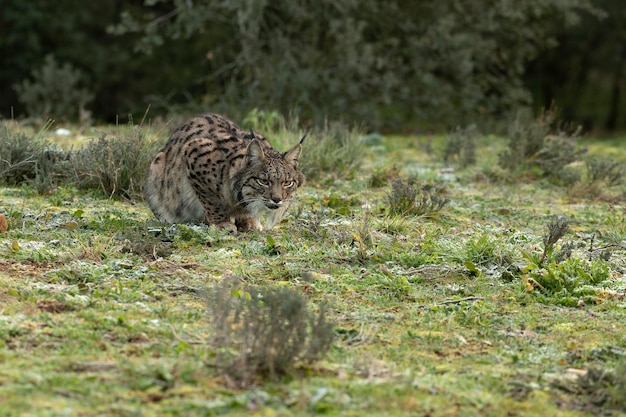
{"x": 72, "y": 225}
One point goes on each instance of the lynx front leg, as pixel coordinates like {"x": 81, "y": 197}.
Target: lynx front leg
{"x": 220, "y": 224}
{"x": 216, "y": 214}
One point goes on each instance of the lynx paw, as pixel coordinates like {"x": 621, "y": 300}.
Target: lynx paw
{"x": 228, "y": 226}
{"x": 247, "y": 225}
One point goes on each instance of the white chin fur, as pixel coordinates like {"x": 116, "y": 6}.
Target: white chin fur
{"x": 258, "y": 210}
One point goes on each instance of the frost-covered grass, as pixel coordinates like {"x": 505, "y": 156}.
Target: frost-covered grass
{"x": 455, "y": 311}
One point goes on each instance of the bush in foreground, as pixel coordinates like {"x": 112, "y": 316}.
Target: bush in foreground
{"x": 263, "y": 332}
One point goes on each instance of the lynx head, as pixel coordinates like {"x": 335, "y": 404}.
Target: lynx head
{"x": 269, "y": 180}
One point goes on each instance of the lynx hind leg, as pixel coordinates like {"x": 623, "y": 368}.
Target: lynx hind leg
{"x": 153, "y": 186}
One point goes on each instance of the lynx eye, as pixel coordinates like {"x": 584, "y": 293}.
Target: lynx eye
{"x": 262, "y": 182}
{"x": 289, "y": 184}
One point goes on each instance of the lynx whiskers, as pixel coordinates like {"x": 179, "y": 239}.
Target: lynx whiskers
{"x": 211, "y": 170}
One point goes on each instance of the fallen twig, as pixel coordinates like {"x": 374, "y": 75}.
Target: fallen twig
{"x": 448, "y": 302}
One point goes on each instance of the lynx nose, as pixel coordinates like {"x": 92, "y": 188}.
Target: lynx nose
{"x": 273, "y": 203}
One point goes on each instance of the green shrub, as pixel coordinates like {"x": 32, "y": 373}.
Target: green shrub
{"x": 604, "y": 170}
{"x": 20, "y": 155}
{"x": 55, "y": 92}
{"x": 557, "y": 277}
{"x": 262, "y": 332}
{"x": 461, "y": 147}
{"x": 484, "y": 251}
{"x": 31, "y": 160}
{"x": 571, "y": 283}
{"x": 540, "y": 144}
{"x": 410, "y": 197}
{"x": 115, "y": 165}
{"x": 382, "y": 176}
{"x": 603, "y": 386}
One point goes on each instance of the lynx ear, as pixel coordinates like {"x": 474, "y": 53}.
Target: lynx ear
{"x": 255, "y": 152}
{"x": 292, "y": 157}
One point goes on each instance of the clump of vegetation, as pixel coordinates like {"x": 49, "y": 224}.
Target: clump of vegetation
{"x": 461, "y": 146}
{"x": 382, "y": 176}
{"x": 411, "y": 197}
{"x": 484, "y": 251}
{"x": 31, "y": 160}
{"x": 557, "y": 276}
{"x": 19, "y": 157}
{"x": 541, "y": 144}
{"x": 602, "y": 387}
{"x": 264, "y": 121}
{"x": 115, "y": 165}
{"x": 334, "y": 150}
{"x": 593, "y": 180}
{"x": 572, "y": 282}
{"x": 606, "y": 171}
{"x": 263, "y": 332}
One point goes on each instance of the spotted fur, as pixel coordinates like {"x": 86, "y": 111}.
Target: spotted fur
{"x": 211, "y": 170}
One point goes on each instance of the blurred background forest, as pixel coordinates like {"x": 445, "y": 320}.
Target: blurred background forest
{"x": 393, "y": 65}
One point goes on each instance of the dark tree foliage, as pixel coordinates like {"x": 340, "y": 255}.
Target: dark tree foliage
{"x": 121, "y": 80}
{"x": 387, "y": 64}
{"x": 585, "y": 74}
{"x": 383, "y": 62}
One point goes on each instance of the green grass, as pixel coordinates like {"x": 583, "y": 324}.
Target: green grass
{"x": 102, "y": 309}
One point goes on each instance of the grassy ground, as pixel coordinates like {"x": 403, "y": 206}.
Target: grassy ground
{"x": 450, "y": 313}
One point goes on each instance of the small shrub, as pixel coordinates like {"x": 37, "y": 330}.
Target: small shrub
{"x": 31, "y": 160}
{"x": 55, "y": 92}
{"x": 540, "y": 144}
{"x": 603, "y": 387}
{"x": 115, "y": 165}
{"x": 555, "y": 230}
{"x": 572, "y": 282}
{"x": 558, "y": 277}
{"x": 262, "y": 332}
{"x": 569, "y": 176}
{"x": 461, "y": 147}
{"x": 602, "y": 174}
{"x": 383, "y": 176}
{"x": 484, "y": 251}
{"x": 409, "y": 197}
{"x": 605, "y": 170}
{"x": 20, "y": 154}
